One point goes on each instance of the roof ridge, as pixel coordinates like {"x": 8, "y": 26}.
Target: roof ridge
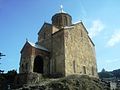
{"x": 37, "y": 46}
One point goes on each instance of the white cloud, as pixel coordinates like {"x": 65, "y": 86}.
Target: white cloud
{"x": 113, "y": 60}
{"x": 115, "y": 39}
{"x": 96, "y": 28}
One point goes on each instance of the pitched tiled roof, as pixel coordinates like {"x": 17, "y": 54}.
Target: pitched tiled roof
{"x": 37, "y": 46}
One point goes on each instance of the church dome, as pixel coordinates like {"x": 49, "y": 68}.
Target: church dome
{"x": 61, "y": 19}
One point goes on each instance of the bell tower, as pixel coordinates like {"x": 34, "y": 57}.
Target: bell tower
{"x": 61, "y": 19}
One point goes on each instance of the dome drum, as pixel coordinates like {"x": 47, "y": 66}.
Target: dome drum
{"x": 60, "y": 20}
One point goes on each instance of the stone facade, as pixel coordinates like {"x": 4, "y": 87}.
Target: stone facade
{"x": 62, "y": 49}
{"x": 79, "y": 51}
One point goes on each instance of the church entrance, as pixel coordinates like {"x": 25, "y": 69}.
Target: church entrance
{"x": 38, "y": 64}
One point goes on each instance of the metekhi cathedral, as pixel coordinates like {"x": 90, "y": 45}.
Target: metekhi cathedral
{"x": 63, "y": 49}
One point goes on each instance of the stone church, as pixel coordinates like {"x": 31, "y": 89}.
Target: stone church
{"x": 63, "y": 48}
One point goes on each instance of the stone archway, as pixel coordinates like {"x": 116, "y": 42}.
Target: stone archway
{"x": 38, "y": 64}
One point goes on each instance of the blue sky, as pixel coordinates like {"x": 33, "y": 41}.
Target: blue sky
{"x": 21, "y": 19}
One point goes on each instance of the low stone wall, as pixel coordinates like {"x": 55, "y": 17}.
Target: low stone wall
{"x": 27, "y": 78}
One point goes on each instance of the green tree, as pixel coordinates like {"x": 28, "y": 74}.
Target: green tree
{"x": 105, "y": 74}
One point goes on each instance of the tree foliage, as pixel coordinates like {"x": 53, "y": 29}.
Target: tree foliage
{"x": 109, "y": 74}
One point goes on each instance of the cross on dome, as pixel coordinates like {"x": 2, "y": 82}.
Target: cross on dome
{"x": 61, "y": 9}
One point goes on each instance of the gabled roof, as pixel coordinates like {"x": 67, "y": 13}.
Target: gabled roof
{"x": 80, "y": 22}
{"x": 66, "y": 27}
{"x": 35, "y": 46}
{"x": 45, "y": 23}
{"x": 91, "y": 40}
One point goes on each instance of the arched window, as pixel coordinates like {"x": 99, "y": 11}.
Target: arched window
{"x": 65, "y": 20}
{"x": 26, "y": 66}
{"x": 74, "y": 67}
{"x": 44, "y": 35}
{"x": 93, "y": 70}
{"x": 55, "y": 65}
{"x": 81, "y": 33}
{"x": 22, "y": 67}
{"x": 84, "y": 69}
{"x": 58, "y": 21}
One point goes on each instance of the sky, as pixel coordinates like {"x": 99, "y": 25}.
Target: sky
{"x": 21, "y": 19}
